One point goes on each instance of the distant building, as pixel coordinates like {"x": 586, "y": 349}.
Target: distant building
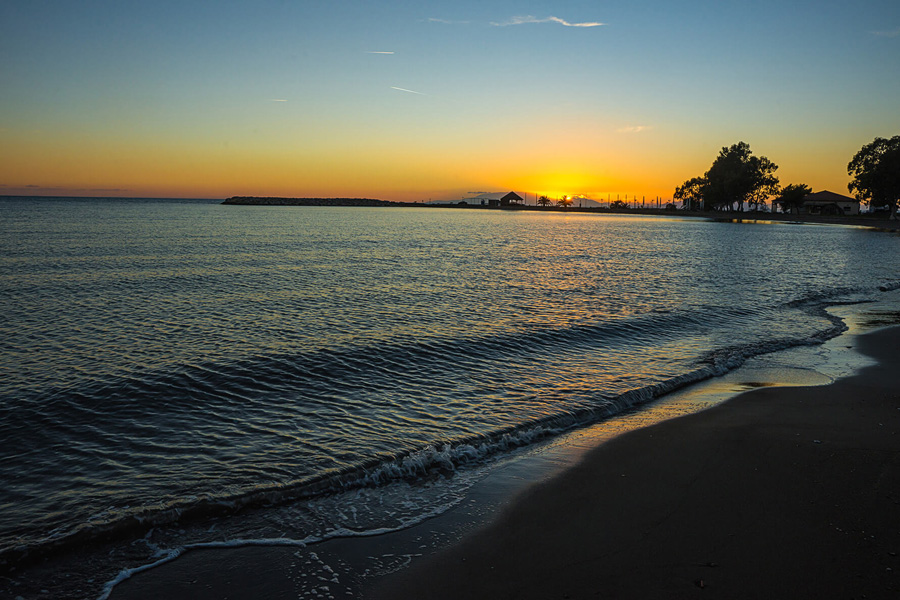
{"x": 828, "y": 203}
{"x": 511, "y": 198}
{"x": 492, "y": 199}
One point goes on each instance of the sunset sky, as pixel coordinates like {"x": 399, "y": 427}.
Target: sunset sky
{"x": 431, "y": 100}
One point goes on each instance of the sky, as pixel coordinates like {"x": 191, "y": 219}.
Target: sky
{"x": 428, "y": 100}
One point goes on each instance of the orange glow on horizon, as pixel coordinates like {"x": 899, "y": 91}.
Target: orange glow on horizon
{"x": 71, "y": 162}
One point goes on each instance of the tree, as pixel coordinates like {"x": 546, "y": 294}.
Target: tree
{"x": 791, "y": 197}
{"x": 564, "y": 201}
{"x": 544, "y": 201}
{"x": 691, "y": 193}
{"x": 618, "y": 205}
{"x": 762, "y": 193}
{"x": 876, "y": 173}
{"x": 736, "y": 176}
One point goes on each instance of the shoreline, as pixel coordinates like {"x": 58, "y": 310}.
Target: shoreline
{"x": 359, "y": 563}
{"x": 760, "y": 496}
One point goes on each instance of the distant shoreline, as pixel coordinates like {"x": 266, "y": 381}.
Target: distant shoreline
{"x": 270, "y": 201}
{"x": 875, "y": 221}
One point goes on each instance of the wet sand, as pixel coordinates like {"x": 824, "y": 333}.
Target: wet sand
{"x": 779, "y": 493}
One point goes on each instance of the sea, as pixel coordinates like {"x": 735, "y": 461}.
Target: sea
{"x": 179, "y": 374}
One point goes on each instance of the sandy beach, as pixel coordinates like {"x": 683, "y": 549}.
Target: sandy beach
{"x": 778, "y": 493}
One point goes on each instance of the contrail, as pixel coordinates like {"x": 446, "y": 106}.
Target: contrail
{"x": 378, "y": 52}
{"x": 408, "y": 91}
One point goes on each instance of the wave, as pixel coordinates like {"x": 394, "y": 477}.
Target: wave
{"x": 350, "y": 363}
{"x": 367, "y": 366}
{"x": 731, "y": 357}
{"x": 430, "y": 460}
{"x": 230, "y": 391}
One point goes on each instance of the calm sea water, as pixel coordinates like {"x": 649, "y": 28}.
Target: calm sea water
{"x": 169, "y": 362}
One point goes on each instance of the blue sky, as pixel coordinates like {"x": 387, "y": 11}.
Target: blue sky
{"x": 407, "y": 100}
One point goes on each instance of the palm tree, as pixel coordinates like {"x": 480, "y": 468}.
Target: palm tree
{"x": 564, "y": 201}
{"x": 544, "y": 201}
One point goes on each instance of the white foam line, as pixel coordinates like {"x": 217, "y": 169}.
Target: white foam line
{"x": 127, "y": 573}
{"x": 340, "y": 532}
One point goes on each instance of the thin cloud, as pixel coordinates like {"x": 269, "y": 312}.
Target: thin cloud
{"x": 528, "y": 19}
{"x": 44, "y": 188}
{"x": 446, "y": 22}
{"x": 400, "y": 89}
{"x": 278, "y": 100}
{"x": 891, "y": 33}
{"x": 378, "y": 52}
{"x": 634, "y": 129}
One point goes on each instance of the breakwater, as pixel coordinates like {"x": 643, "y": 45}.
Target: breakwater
{"x": 263, "y": 201}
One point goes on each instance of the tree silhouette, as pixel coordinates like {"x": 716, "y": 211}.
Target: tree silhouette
{"x": 876, "y": 173}
{"x": 791, "y": 197}
{"x": 691, "y": 193}
{"x": 735, "y": 177}
{"x": 544, "y": 201}
{"x": 564, "y": 201}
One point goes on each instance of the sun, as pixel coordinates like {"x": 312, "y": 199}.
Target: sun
{"x": 555, "y": 184}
